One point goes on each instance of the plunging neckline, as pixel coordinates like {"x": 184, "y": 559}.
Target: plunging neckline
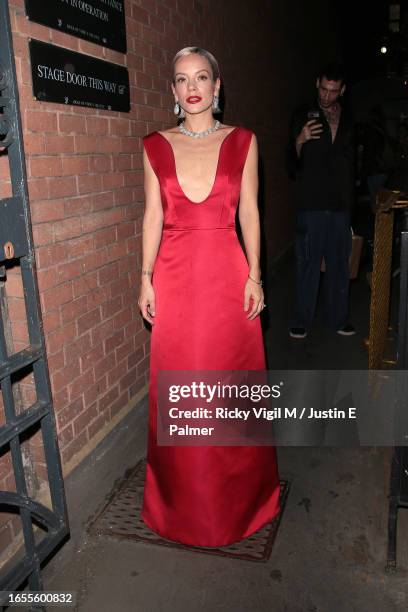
{"x": 216, "y": 169}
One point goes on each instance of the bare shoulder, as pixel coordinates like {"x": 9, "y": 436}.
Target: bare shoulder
{"x": 172, "y": 130}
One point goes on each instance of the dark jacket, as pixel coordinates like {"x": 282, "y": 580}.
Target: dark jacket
{"x": 325, "y": 171}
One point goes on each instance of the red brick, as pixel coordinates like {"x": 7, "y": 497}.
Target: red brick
{"x": 143, "y": 366}
{"x": 101, "y": 201}
{"x": 106, "y": 400}
{"x": 119, "y": 404}
{"x": 74, "y": 447}
{"x": 97, "y": 125}
{"x": 137, "y": 386}
{"x": 62, "y": 187}
{"x": 119, "y": 127}
{"x": 73, "y": 310}
{"x": 114, "y": 341}
{"x": 86, "y": 144}
{"x": 78, "y": 247}
{"x": 77, "y": 206}
{"x": 88, "y": 321}
{"x": 122, "y": 162}
{"x": 67, "y": 228}
{"x": 72, "y": 123}
{"x": 100, "y": 332}
{"x": 68, "y": 271}
{"x": 91, "y": 357}
{"x": 119, "y": 286}
{"x": 125, "y": 230}
{"x": 43, "y": 234}
{"x": 123, "y": 351}
{"x": 127, "y": 380}
{"x": 77, "y": 348}
{"x": 77, "y": 164}
{"x": 47, "y": 278}
{"x": 58, "y": 295}
{"x": 112, "y": 180}
{"x": 80, "y": 385}
{"x": 41, "y": 121}
{"x": 60, "y": 400}
{"x": 105, "y": 237}
{"x": 103, "y": 366}
{"x": 97, "y": 425}
{"x": 34, "y": 144}
{"x": 111, "y": 307}
{"x": 63, "y": 378}
{"x": 37, "y": 189}
{"x": 84, "y": 419}
{"x": 64, "y": 40}
{"x": 46, "y": 166}
{"x": 56, "y": 361}
{"x": 139, "y": 14}
{"x": 48, "y": 210}
{"x": 89, "y": 183}
{"x": 59, "y": 144}
{"x": 68, "y": 413}
{"x": 94, "y": 391}
{"x": 92, "y": 261}
{"x": 51, "y": 255}
{"x": 97, "y": 297}
{"x": 100, "y": 163}
{"x": 101, "y": 219}
{"x": 51, "y": 321}
{"x": 85, "y": 284}
{"x": 124, "y": 316}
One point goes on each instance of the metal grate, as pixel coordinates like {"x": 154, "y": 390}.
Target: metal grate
{"x": 387, "y": 202}
{"x": 380, "y": 288}
{"x": 120, "y": 518}
{"x": 17, "y": 425}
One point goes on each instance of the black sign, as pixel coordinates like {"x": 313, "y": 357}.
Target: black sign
{"x": 100, "y": 21}
{"x": 67, "y": 77}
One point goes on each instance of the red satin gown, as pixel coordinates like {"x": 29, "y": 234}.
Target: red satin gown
{"x": 204, "y": 495}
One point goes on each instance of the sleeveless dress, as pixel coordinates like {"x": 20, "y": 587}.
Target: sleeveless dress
{"x": 204, "y": 495}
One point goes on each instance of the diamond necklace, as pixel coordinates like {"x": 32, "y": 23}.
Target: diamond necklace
{"x": 210, "y": 130}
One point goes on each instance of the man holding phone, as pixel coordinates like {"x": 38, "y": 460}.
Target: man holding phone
{"x": 321, "y": 159}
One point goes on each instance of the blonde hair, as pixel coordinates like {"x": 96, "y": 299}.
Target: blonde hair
{"x": 204, "y": 53}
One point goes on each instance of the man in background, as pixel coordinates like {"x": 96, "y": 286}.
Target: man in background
{"x": 322, "y": 161}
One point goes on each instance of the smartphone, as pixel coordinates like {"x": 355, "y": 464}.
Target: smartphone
{"x": 313, "y": 114}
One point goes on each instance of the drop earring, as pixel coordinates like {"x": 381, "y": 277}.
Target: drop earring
{"x": 215, "y": 105}
{"x": 178, "y": 111}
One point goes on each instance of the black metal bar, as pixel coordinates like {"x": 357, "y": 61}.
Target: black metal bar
{"x": 15, "y": 228}
{"x": 20, "y": 360}
{"x": 22, "y": 422}
{"x": 398, "y": 496}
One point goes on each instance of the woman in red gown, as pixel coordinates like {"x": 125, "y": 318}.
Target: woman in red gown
{"x": 203, "y": 297}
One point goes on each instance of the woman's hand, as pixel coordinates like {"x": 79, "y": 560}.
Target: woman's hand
{"x": 253, "y": 291}
{"x": 147, "y": 301}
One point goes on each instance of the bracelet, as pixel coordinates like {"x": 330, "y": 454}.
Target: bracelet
{"x": 255, "y": 281}
{"x": 147, "y": 272}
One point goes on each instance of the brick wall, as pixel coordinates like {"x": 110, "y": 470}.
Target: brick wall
{"x": 85, "y": 184}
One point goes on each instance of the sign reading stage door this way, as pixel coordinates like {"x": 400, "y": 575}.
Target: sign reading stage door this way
{"x": 100, "y": 21}
{"x": 67, "y": 77}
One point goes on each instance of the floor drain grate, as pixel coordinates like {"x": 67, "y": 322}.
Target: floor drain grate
{"x": 120, "y": 518}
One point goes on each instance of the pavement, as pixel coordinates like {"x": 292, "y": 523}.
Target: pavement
{"x": 330, "y": 551}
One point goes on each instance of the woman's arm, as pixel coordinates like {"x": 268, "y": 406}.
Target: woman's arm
{"x": 152, "y": 232}
{"x": 248, "y": 215}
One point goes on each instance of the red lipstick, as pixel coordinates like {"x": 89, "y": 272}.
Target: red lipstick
{"x": 193, "y": 99}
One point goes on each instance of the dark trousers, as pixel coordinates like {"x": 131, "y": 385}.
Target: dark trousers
{"x": 322, "y": 233}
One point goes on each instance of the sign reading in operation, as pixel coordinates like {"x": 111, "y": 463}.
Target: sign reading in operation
{"x": 100, "y": 21}
{"x": 67, "y": 77}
